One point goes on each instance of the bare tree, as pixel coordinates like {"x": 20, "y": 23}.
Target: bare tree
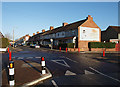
{"x": 8, "y": 36}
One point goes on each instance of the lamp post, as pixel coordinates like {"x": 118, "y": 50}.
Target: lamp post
{"x": 51, "y": 43}
{"x": 74, "y": 41}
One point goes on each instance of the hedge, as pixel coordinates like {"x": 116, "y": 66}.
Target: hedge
{"x": 101, "y": 45}
{"x": 68, "y": 45}
{"x": 4, "y": 42}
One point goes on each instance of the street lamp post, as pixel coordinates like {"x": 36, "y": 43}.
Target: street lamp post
{"x": 74, "y": 41}
{"x": 51, "y": 43}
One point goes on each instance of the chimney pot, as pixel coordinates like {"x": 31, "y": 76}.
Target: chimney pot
{"x": 37, "y": 32}
{"x": 64, "y": 24}
{"x": 43, "y": 30}
{"x": 33, "y": 34}
{"x": 90, "y": 17}
{"x": 51, "y": 27}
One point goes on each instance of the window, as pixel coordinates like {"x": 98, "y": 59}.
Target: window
{"x": 83, "y": 31}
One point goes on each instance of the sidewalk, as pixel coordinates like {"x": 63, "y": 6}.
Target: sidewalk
{"x": 26, "y": 73}
{"x": 77, "y": 51}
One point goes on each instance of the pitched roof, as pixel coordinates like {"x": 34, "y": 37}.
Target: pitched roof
{"x": 67, "y": 27}
{"x": 116, "y": 28}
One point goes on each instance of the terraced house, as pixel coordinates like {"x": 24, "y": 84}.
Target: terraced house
{"x": 80, "y": 33}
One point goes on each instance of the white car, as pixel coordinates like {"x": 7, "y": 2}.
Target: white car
{"x": 37, "y": 46}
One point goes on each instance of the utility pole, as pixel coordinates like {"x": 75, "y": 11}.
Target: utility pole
{"x": 13, "y": 38}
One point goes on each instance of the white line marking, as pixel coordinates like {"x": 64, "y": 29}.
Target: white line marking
{"x": 88, "y": 72}
{"x": 20, "y": 57}
{"x": 37, "y": 57}
{"x": 68, "y": 59}
{"x": 69, "y": 73}
{"x": 57, "y": 61}
{"x": 54, "y": 83}
{"x": 104, "y": 74}
{"x": 71, "y": 60}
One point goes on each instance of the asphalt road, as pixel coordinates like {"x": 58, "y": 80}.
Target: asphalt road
{"x": 73, "y": 68}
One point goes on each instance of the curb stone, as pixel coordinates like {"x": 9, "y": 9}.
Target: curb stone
{"x": 43, "y": 77}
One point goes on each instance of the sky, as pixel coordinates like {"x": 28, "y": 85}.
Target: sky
{"x": 30, "y": 17}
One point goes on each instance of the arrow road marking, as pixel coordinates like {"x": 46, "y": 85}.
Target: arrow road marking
{"x": 69, "y": 73}
{"x": 58, "y": 62}
{"x": 88, "y": 72}
{"x": 104, "y": 74}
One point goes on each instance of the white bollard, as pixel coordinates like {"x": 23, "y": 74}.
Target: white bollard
{"x": 43, "y": 65}
{"x": 11, "y": 73}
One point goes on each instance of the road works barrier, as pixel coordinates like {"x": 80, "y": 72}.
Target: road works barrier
{"x": 8, "y": 49}
{"x": 9, "y": 55}
{"x": 66, "y": 49}
{"x": 43, "y": 65}
{"x": 11, "y": 71}
{"x": 78, "y": 49}
{"x": 103, "y": 53}
{"x": 60, "y": 49}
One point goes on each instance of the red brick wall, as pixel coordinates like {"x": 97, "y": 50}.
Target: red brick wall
{"x": 92, "y": 49}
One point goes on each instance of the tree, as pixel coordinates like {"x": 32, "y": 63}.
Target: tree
{"x": 8, "y": 36}
{"x": 4, "y": 42}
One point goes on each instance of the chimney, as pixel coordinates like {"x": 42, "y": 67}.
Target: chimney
{"x": 51, "y": 27}
{"x": 43, "y": 30}
{"x": 64, "y": 24}
{"x": 89, "y": 17}
{"x": 37, "y": 32}
{"x": 33, "y": 34}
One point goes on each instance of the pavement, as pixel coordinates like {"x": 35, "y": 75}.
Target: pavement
{"x": 42, "y": 48}
{"x": 27, "y": 73}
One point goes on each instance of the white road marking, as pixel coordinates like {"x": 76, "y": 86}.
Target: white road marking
{"x": 104, "y": 74}
{"x": 37, "y": 57}
{"x": 57, "y": 61}
{"x": 68, "y": 59}
{"x": 54, "y": 83}
{"x": 20, "y": 57}
{"x": 69, "y": 73}
{"x": 88, "y": 72}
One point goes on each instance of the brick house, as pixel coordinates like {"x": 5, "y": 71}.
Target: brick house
{"x": 84, "y": 30}
{"x": 23, "y": 39}
{"x": 111, "y": 34}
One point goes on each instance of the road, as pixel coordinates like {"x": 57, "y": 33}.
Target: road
{"x": 73, "y": 68}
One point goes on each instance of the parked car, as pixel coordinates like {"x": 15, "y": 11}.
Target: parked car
{"x": 32, "y": 45}
{"x": 37, "y": 46}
